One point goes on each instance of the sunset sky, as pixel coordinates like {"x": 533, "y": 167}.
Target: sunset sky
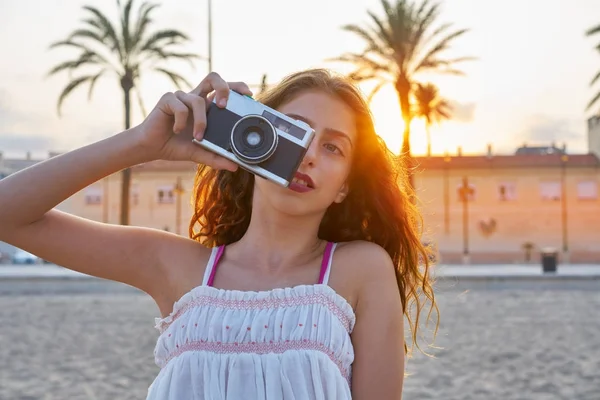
{"x": 529, "y": 84}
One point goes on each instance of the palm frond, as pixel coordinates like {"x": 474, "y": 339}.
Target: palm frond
{"x": 595, "y": 79}
{"x": 158, "y": 53}
{"x": 173, "y": 37}
{"x": 376, "y": 89}
{"x": 428, "y": 60}
{"x": 140, "y": 101}
{"x": 69, "y": 88}
{"x": 593, "y": 31}
{"x": 86, "y": 58}
{"x": 423, "y": 20}
{"x": 363, "y": 61}
{"x": 125, "y": 31}
{"x": 87, "y": 34}
{"x": 108, "y": 30}
{"x": 143, "y": 22}
{"x": 593, "y": 101}
{"x": 383, "y": 32}
{"x": 70, "y": 43}
{"x": 93, "y": 81}
{"x": 373, "y": 43}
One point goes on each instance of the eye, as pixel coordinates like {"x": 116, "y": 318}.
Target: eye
{"x": 332, "y": 148}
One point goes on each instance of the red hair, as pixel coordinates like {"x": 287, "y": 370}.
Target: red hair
{"x": 379, "y": 207}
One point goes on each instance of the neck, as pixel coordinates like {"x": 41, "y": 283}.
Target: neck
{"x": 276, "y": 241}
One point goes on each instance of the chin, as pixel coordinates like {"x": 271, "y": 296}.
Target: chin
{"x": 290, "y": 202}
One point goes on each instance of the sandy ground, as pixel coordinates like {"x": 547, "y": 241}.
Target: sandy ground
{"x": 500, "y": 340}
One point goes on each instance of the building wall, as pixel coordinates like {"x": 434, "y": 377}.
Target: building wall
{"x": 594, "y": 135}
{"x": 497, "y": 229}
{"x": 153, "y": 200}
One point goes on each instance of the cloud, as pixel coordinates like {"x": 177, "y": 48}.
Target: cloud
{"x": 546, "y": 129}
{"x": 19, "y": 144}
{"x": 462, "y": 112}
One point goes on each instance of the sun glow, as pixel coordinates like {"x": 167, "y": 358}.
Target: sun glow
{"x": 390, "y": 126}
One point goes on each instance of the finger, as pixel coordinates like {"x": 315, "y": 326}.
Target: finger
{"x": 175, "y": 107}
{"x": 203, "y": 156}
{"x": 209, "y": 99}
{"x": 241, "y": 88}
{"x": 213, "y": 81}
{"x": 196, "y": 104}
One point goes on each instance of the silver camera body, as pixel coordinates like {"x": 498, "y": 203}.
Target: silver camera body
{"x": 259, "y": 139}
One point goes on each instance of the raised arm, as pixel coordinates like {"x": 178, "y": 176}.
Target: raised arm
{"x": 128, "y": 254}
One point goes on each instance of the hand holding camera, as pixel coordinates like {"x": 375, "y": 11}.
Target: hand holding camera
{"x": 177, "y": 118}
{"x": 220, "y": 125}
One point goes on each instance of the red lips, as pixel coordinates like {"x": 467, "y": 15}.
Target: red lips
{"x": 306, "y": 184}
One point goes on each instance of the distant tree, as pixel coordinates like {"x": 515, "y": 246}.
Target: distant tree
{"x": 431, "y": 107}
{"x": 123, "y": 50}
{"x": 400, "y": 45}
{"x": 591, "y": 32}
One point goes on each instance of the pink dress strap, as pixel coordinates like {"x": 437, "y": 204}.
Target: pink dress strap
{"x": 326, "y": 263}
{"x": 215, "y": 257}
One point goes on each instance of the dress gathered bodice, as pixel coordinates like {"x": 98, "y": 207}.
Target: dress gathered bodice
{"x": 285, "y": 343}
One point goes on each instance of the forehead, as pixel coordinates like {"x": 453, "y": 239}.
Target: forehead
{"x": 325, "y": 111}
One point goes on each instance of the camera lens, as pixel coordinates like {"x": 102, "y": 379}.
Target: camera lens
{"x": 253, "y": 139}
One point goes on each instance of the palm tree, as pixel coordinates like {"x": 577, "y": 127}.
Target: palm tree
{"x": 591, "y": 32}
{"x": 123, "y": 50}
{"x": 431, "y": 107}
{"x": 401, "y": 45}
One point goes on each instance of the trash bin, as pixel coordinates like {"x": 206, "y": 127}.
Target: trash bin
{"x": 549, "y": 259}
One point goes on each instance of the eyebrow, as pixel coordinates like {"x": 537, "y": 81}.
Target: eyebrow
{"x": 330, "y": 131}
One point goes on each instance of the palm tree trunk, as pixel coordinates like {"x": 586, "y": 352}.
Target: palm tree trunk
{"x": 428, "y": 132}
{"x": 403, "y": 90}
{"x": 126, "y": 173}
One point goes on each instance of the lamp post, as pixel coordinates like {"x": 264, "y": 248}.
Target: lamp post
{"x": 178, "y": 190}
{"x": 465, "y": 191}
{"x": 563, "y": 202}
{"x": 210, "y": 36}
{"x": 446, "y": 195}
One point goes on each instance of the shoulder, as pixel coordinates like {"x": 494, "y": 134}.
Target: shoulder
{"x": 365, "y": 261}
{"x": 364, "y": 269}
{"x": 183, "y": 262}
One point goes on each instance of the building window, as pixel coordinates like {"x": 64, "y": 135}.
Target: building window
{"x": 507, "y": 191}
{"x": 587, "y": 190}
{"x": 93, "y": 195}
{"x": 134, "y": 194}
{"x": 550, "y": 191}
{"x": 470, "y": 192}
{"x": 165, "y": 194}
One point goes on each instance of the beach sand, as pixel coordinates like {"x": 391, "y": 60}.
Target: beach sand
{"x": 94, "y": 340}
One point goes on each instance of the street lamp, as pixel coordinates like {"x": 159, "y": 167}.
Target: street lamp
{"x": 178, "y": 191}
{"x": 465, "y": 191}
{"x": 210, "y": 36}
{"x": 563, "y": 201}
{"x": 446, "y": 195}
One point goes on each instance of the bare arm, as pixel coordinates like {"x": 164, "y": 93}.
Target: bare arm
{"x": 28, "y": 221}
{"x": 132, "y": 255}
{"x": 378, "y": 336}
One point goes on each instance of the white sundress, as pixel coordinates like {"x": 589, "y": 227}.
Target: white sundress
{"x": 285, "y": 343}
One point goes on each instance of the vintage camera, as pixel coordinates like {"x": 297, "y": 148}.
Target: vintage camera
{"x": 259, "y": 139}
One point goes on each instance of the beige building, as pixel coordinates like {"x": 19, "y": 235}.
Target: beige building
{"x": 514, "y": 202}
{"x": 160, "y": 197}
{"x": 517, "y": 204}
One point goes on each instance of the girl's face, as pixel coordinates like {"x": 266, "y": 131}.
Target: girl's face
{"x": 323, "y": 173}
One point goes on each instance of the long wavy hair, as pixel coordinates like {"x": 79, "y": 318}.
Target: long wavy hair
{"x": 380, "y": 206}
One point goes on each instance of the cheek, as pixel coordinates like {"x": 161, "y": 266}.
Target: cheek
{"x": 336, "y": 173}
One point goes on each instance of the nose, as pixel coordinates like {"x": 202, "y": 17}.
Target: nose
{"x": 311, "y": 154}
